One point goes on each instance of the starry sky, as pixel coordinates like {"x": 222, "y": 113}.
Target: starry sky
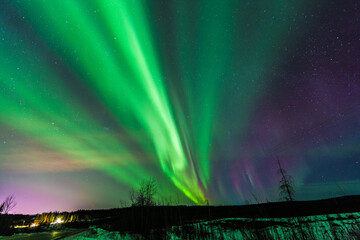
{"x": 202, "y": 96}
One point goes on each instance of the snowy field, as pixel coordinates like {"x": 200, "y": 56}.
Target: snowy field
{"x": 326, "y": 227}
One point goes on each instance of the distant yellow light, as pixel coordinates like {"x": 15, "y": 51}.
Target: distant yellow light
{"x": 58, "y": 221}
{"x": 33, "y": 225}
{"x": 20, "y": 226}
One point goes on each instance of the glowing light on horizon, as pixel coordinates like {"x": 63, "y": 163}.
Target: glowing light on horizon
{"x": 57, "y": 221}
{"x": 34, "y": 225}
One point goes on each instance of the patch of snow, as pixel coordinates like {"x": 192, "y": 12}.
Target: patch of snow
{"x": 98, "y": 233}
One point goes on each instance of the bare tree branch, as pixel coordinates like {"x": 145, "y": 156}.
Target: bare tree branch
{"x": 144, "y": 195}
{"x": 286, "y": 187}
{"x": 9, "y": 204}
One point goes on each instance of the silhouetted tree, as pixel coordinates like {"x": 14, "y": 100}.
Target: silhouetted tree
{"x": 144, "y": 195}
{"x": 5, "y": 207}
{"x": 286, "y": 188}
{"x": 9, "y": 204}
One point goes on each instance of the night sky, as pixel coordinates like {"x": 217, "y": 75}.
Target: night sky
{"x": 202, "y": 96}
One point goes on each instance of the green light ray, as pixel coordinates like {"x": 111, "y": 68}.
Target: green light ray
{"x": 206, "y": 46}
{"x": 146, "y": 102}
{"x": 46, "y": 117}
{"x": 110, "y": 47}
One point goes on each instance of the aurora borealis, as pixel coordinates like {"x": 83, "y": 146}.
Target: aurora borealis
{"x": 202, "y": 96}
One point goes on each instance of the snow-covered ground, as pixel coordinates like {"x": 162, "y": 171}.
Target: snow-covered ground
{"x": 331, "y": 226}
{"x": 324, "y": 227}
{"x": 98, "y": 233}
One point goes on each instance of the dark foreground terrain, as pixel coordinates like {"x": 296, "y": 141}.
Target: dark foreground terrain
{"x": 337, "y": 218}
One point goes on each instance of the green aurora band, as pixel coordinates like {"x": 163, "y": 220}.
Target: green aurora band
{"x": 127, "y": 79}
{"x": 250, "y": 40}
{"x": 112, "y": 51}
